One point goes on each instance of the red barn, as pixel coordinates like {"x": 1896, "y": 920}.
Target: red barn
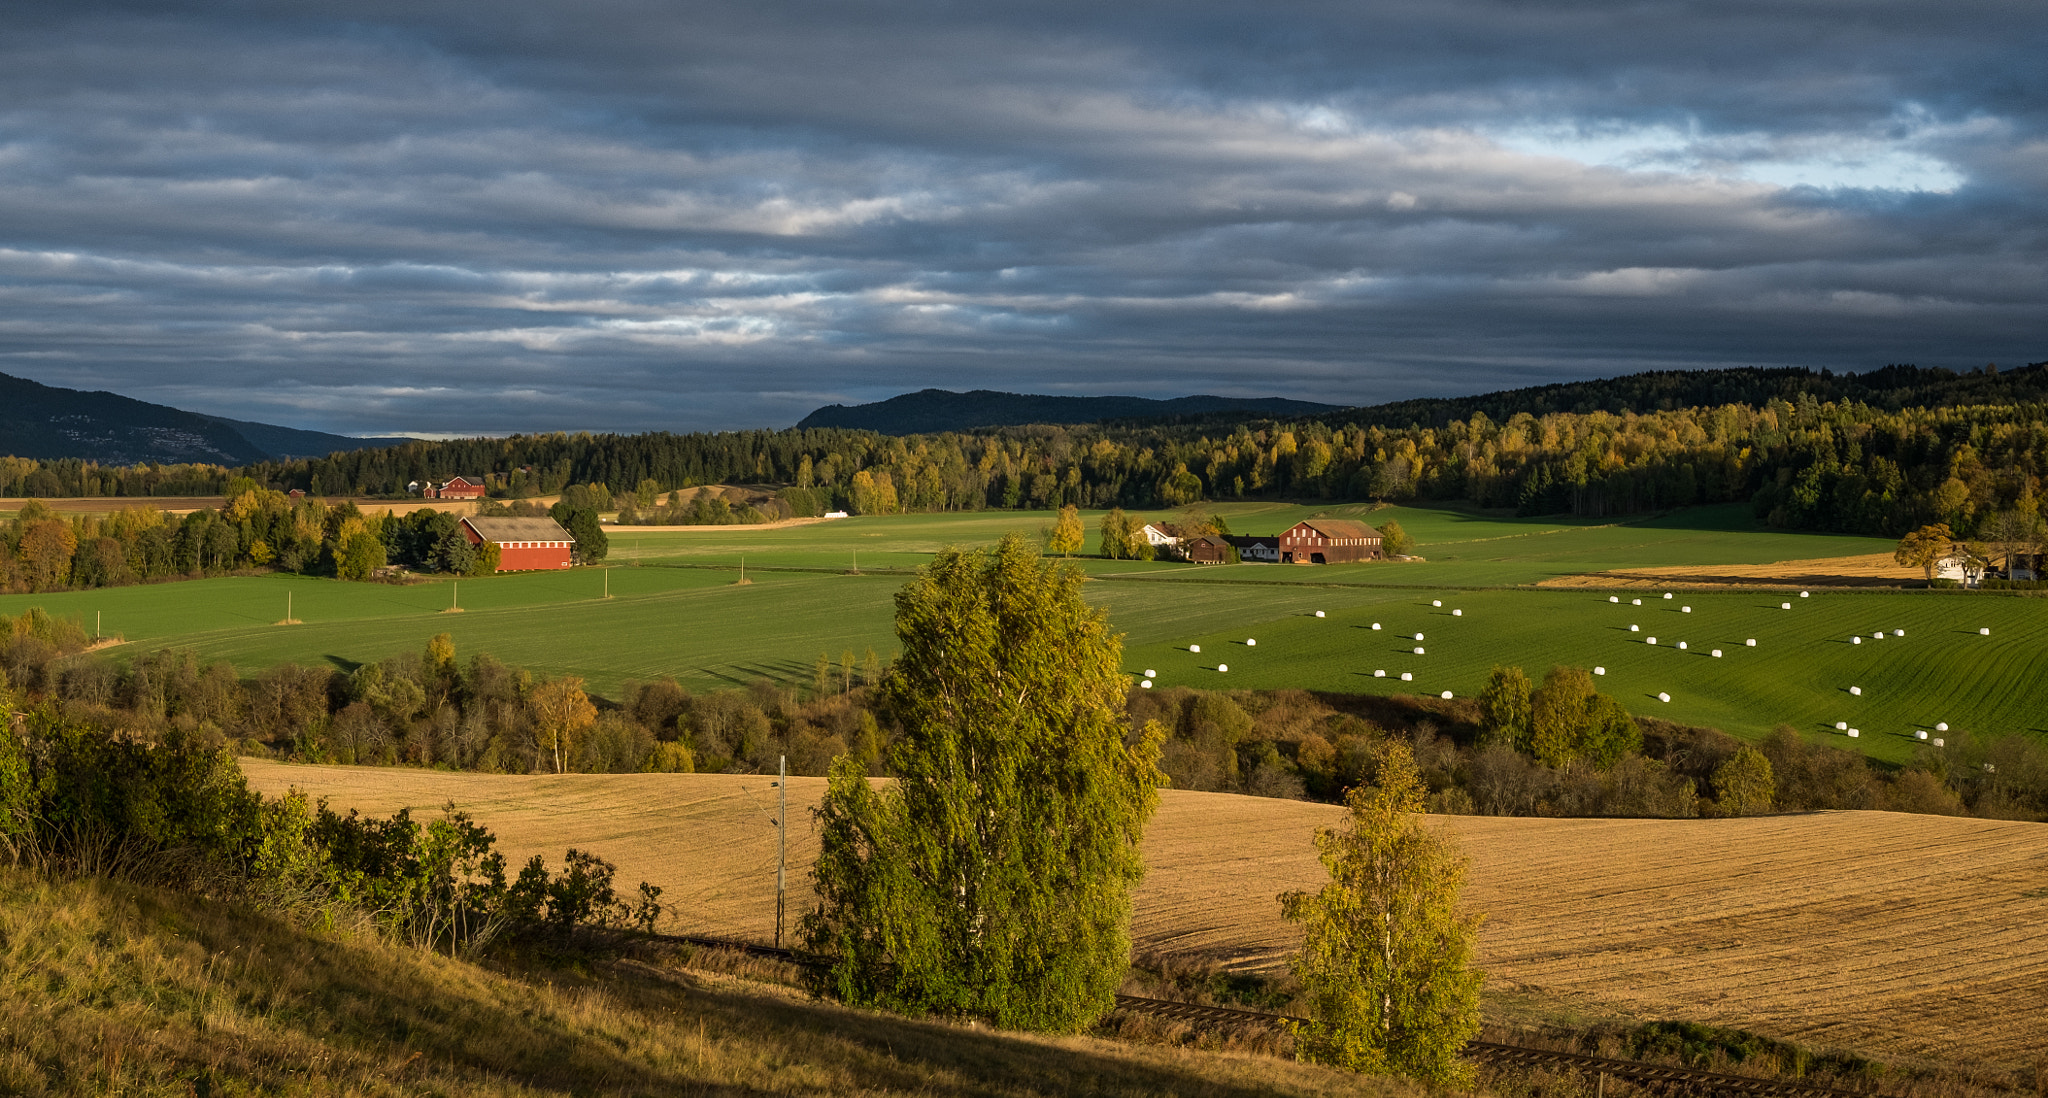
{"x": 457, "y": 488}
{"x": 1329, "y": 541}
{"x": 524, "y": 544}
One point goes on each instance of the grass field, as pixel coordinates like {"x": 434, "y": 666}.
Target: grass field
{"x": 1872, "y": 931}
{"x": 115, "y": 989}
{"x": 675, "y": 611}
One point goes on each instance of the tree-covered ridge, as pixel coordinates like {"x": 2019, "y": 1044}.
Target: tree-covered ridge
{"x": 1805, "y": 463}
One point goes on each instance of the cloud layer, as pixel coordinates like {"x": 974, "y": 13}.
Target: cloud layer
{"x": 624, "y": 215}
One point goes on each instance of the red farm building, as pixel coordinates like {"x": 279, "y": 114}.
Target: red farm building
{"x": 524, "y": 544}
{"x": 456, "y": 488}
{"x": 1329, "y": 541}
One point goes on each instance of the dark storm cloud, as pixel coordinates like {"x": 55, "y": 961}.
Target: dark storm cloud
{"x": 623, "y": 215}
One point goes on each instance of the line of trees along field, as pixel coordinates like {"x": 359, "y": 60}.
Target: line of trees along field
{"x": 1804, "y": 464}
{"x": 1548, "y": 747}
{"x": 258, "y": 528}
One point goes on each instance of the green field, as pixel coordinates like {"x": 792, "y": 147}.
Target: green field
{"x": 675, "y": 610}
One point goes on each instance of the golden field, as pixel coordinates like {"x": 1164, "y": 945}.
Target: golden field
{"x": 1879, "y": 932}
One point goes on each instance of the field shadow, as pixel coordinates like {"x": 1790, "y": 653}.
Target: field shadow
{"x": 346, "y": 665}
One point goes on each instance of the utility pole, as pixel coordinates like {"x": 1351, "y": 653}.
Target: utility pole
{"x": 782, "y": 839}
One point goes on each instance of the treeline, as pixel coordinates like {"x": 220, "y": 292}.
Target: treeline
{"x": 1802, "y": 463}
{"x": 257, "y": 528}
{"x": 1551, "y": 748}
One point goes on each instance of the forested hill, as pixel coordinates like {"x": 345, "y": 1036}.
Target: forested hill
{"x": 50, "y": 423}
{"x": 1892, "y": 388}
{"x": 932, "y": 411}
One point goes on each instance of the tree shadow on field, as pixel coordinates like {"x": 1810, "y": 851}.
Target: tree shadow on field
{"x": 347, "y": 666}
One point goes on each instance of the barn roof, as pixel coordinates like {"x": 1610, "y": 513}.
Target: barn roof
{"x": 478, "y": 481}
{"x": 1340, "y": 528}
{"x": 518, "y": 529}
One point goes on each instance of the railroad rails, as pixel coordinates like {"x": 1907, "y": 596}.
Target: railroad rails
{"x": 1672, "y": 1080}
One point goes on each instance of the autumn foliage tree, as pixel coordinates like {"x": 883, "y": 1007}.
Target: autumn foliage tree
{"x": 561, "y": 712}
{"x": 993, "y": 879}
{"x": 1386, "y": 961}
{"x": 1924, "y": 548}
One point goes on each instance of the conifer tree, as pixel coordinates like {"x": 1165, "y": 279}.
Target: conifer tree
{"x": 1386, "y": 961}
{"x": 994, "y": 878}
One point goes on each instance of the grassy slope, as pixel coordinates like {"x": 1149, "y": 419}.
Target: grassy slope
{"x": 109, "y": 988}
{"x": 681, "y": 615}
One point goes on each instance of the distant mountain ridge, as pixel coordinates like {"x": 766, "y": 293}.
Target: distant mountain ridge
{"x": 930, "y": 411}
{"x": 49, "y": 423}
{"x": 1891, "y": 388}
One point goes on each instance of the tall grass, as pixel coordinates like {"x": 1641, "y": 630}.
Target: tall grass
{"x": 114, "y": 988}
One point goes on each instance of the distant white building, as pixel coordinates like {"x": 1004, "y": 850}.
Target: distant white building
{"x": 835, "y": 514}
{"x": 1158, "y": 534}
{"x": 1264, "y": 550}
{"x": 1962, "y": 566}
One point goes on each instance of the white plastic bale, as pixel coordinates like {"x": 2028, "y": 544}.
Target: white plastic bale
{"x": 1841, "y": 726}
{"x": 1418, "y": 636}
{"x": 1941, "y": 726}
{"x": 1984, "y": 632}
{"x": 1717, "y": 653}
{"x": 1898, "y": 632}
{"x": 1854, "y": 733}
{"x": 1920, "y": 735}
{"x": 1319, "y": 613}
{"x": 1751, "y": 642}
{"x": 1784, "y": 606}
{"x": 1436, "y": 602}
{"x": 1668, "y": 595}
{"x": 1146, "y": 684}
{"x": 1447, "y": 695}
{"x": 1151, "y": 674}
{"x": 1251, "y": 642}
{"x": 1939, "y": 742}
{"x": 1375, "y": 627}
{"x": 1649, "y": 640}
{"x": 1685, "y": 609}
{"x": 1802, "y": 594}
{"x": 1635, "y": 602}
{"x": 1681, "y": 646}
{"x": 1635, "y": 628}
{"x": 1222, "y": 667}
{"x": 1855, "y": 691}
{"x": 1407, "y": 676}
{"x": 1614, "y": 598}
{"x": 1418, "y": 651}
{"x": 1457, "y": 613}
{"x": 1380, "y": 674}
{"x": 1877, "y": 636}
{"x": 1599, "y": 670}
{"x": 1855, "y": 640}
{"x": 1663, "y": 697}
{"x": 1196, "y": 648}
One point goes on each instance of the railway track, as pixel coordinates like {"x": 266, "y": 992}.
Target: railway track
{"x": 1672, "y": 1080}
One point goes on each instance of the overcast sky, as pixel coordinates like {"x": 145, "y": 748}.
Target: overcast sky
{"x": 454, "y": 216}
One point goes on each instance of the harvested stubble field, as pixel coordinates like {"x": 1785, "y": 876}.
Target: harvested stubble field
{"x": 1861, "y": 570}
{"x": 1887, "y": 934}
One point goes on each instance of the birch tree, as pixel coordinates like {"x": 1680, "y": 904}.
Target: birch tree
{"x": 993, "y": 878}
{"x": 1386, "y": 960}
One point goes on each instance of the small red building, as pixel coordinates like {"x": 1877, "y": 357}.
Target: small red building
{"x": 456, "y": 488}
{"x": 524, "y": 544}
{"x": 1329, "y": 541}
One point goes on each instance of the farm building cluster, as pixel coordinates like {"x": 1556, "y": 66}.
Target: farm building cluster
{"x": 1310, "y": 541}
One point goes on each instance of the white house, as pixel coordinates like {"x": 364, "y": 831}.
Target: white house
{"x": 1962, "y": 566}
{"x": 1158, "y": 534}
{"x": 1264, "y": 550}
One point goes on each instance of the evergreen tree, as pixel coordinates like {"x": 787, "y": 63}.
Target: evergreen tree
{"x": 994, "y": 878}
{"x": 1386, "y": 961}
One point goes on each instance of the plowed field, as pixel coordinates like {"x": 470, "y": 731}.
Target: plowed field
{"x": 1874, "y": 931}
{"x": 1863, "y": 570}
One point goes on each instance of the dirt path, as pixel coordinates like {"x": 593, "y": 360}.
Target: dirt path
{"x": 1876, "y": 931}
{"x": 1865, "y": 570}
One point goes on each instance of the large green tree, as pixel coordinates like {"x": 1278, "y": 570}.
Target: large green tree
{"x": 993, "y": 878}
{"x": 1386, "y": 961}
